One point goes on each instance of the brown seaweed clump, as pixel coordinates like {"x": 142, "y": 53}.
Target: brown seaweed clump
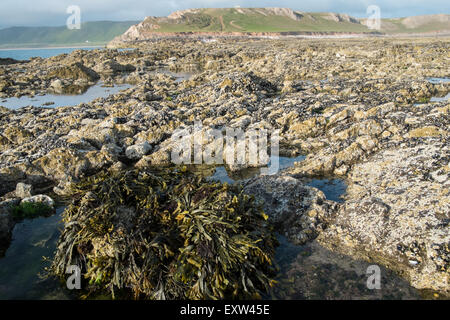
{"x": 166, "y": 233}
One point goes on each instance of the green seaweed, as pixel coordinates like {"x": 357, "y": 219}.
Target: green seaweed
{"x": 30, "y": 210}
{"x": 166, "y": 233}
{"x": 423, "y": 100}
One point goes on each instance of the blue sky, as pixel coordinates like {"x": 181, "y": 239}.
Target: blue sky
{"x": 53, "y": 12}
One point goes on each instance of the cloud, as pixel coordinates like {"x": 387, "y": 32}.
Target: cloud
{"x": 53, "y": 12}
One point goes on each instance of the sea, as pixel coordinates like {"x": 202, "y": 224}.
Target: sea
{"x": 27, "y": 53}
{"x": 49, "y": 100}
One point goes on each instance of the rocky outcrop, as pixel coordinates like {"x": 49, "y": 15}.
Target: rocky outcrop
{"x": 6, "y": 61}
{"x": 297, "y": 211}
{"x": 76, "y": 71}
{"x": 112, "y": 67}
{"x": 396, "y": 213}
{"x": 40, "y": 198}
{"x": 214, "y": 22}
{"x": 23, "y": 190}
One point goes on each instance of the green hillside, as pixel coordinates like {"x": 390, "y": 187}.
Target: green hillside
{"x": 252, "y": 20}
{"x": 99, "y": 32}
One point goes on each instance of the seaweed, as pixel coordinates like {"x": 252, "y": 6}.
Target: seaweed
{"x": 30, "y": 210}
{"x": 166, "y": 233}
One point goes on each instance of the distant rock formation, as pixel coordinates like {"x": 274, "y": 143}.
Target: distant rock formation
{"x": 234, "y": 21}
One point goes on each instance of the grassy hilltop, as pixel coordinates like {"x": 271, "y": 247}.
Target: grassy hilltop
{"x": 264, "y": 20}
{"x": 253, "y": 20}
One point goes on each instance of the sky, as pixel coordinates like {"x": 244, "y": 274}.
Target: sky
{"x": 53, "y": 12}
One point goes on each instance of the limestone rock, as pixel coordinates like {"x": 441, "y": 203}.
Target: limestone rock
{"x": 24, "y": 190}
{"x": 137, "y": 151}
{"x": 40, "y": 198}
{"x": 299, "y": 212}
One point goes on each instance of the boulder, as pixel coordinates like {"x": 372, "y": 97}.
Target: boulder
{"x": 112, "y": 67}
{"x": 137, "y": 151}
{"x": 297, "y": 211}
{"x": 74, "y": 71}
{"x": 40, "y": 198}
{"x": 24, "y": 190}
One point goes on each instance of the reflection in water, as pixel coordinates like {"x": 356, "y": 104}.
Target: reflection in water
{"x": 438, "y": 80}
{"x": 439, "y": 99}
{"x": 333, "y": 189}
{"x": 179, "y": 76}
{"x": 23, "y": 261}
{"x": 223, "y": 175}
{"x": 314, "y": 272}
{"x": 94, "y": 92}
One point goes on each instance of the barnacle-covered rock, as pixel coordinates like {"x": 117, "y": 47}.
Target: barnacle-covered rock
{"x": 166, "y": 234}
{"x": 297, "y": 211}
{"x": 397, "y": 214}
{"x": 74, "y": 71}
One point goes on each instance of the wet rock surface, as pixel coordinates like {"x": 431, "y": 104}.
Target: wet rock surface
{"x": 396, "y": 213}
{"x": 297, "y": 211}
{"x": 6, "y": 223}
{"x": 359, "y": 110}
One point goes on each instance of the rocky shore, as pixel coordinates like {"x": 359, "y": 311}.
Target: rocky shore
{"x": 358, "y": 109}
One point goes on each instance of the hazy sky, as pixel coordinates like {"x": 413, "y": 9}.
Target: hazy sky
{"x": 53, "y": 12}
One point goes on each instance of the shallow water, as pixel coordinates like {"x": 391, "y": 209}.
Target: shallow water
{"x": 94, "y": 92}
{"x": 438, "y": 80}
{"x": 222, "y": 174}
{"x": 33, "y": 239}
{"x": 333, "y": 189}
{"x": 314, "y": 272}
{"x": 23, "y": 261}
{"x": 26, "y": 54}
{"x": 179, "y": 76}
{"x": 439, "y": 99}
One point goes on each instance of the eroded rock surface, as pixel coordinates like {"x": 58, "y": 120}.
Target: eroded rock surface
{"x": 298, "y": 212}
{"x": 396, "y": 213}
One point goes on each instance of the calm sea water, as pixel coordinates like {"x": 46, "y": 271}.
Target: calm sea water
{"x": 92, "y": 93}
{"x": 26, "y": 54}
{"x": 55, "y": 101}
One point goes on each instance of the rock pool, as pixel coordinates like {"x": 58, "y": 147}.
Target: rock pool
{"x": 54, "y": 101}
